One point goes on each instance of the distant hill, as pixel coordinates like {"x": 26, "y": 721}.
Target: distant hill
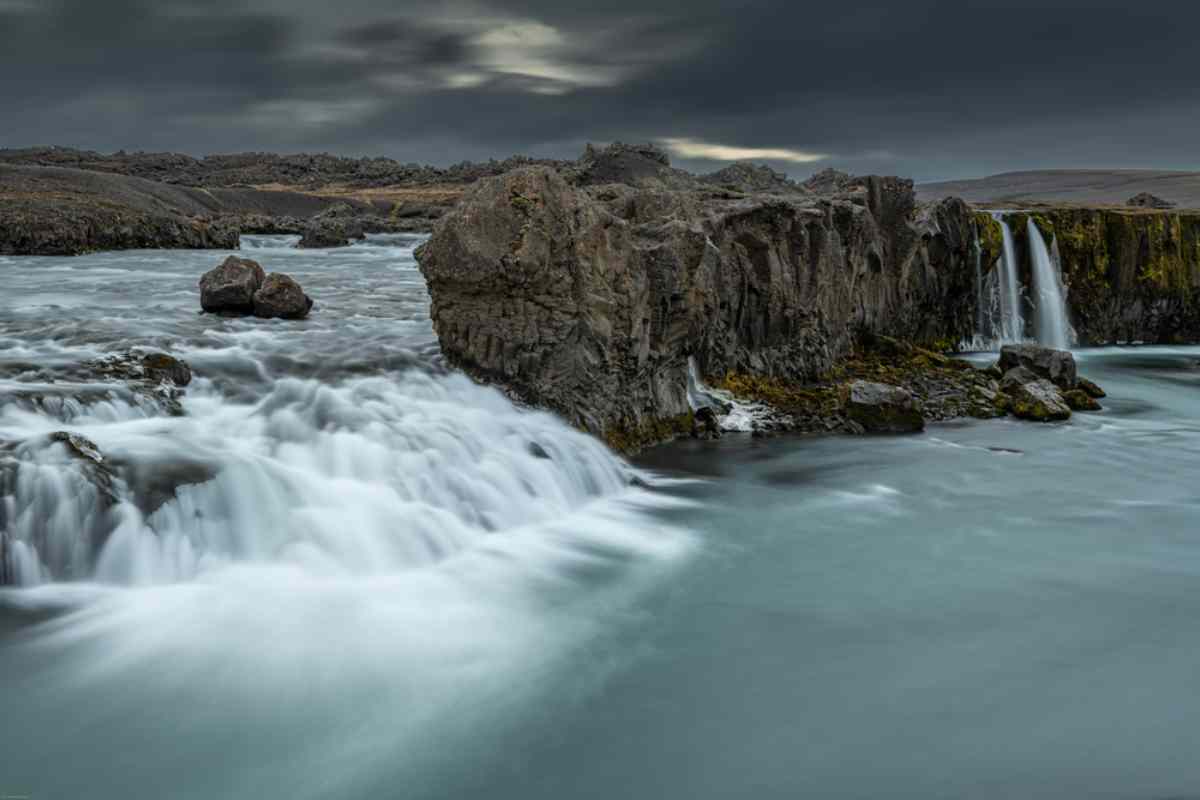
{"x": 1082, "y": 187}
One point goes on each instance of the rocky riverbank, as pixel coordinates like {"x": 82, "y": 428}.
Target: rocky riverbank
{"x": 590, "y": 289}
{"x": 50, "y": 210}
{"x": 1132, "y": 275}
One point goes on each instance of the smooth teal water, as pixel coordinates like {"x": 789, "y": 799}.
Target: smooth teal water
{"x": 990, "y": 609}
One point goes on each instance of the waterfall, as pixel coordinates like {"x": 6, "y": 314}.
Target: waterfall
{"x": 1053, "y": 329}
{"x": 981, "y": 311}
{"x": 1012, "y": 324}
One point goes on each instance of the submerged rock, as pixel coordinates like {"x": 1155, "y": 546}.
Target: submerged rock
{"x": 154, "y": 376}
{"x": 281, "y": 296}
{"x": 882, "y": 408}
{"x": 1057, "y": 366}
{"x": 80, "y": 446}
{"x": 230, "y": 287}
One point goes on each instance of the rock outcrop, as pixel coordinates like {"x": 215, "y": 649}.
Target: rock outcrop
{"x": 64, "y": 212}
{"x": 1057, "y": 366}
{"x": 1147, "y": 200}
{"x": 588, "y": 297}
{"x": 1037, "y": 400}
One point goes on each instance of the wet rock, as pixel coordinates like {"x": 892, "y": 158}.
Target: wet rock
{"x": 81, "y": 446}
{"x": 706, "y": 424}
{"x": 91, "y": 464}
{"x": 1148, "y": 200}
{"x": 1092, "y": 390}
{"x": 154, "y": 376}
{"x": 1016, "y": 377}
{"x": 230, "y": 287}
{"x": 153, "y": 482}
{"x": 1038, "y": 400}
{"x": 1057, "y": 366}
{"x": 325, "y": 233}
{"x": 881, "y": 408}
{"x": 992, "y": 371}
{"x": 1079, "y": 400}
{"x": 280, "y": 296}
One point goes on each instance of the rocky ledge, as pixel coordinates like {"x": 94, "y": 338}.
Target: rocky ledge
{"x": 588, "y": 289}
{"x": 597, "y": 289}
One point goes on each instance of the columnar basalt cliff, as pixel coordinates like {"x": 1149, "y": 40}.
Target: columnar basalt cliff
{"x": 587, "y": 290}
{"x": 1131, "y": 275}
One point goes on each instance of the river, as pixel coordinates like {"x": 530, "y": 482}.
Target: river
{"x": 378, "y": 579}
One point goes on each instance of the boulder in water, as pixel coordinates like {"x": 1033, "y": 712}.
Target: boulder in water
{"x": 325, "y": 233}
{"x": 882, "y": 408}
{"x": 1092, "y": 390}
{"x": 1057, "y": 366}
{"x": 230, "y": 287}
{"x": 1017, "y": 376}
{"x": 281, "y": 296}
{"x": 1079, "y": 400}
{"x": 1037, "y": 400}
{"x": 91, "y": 464}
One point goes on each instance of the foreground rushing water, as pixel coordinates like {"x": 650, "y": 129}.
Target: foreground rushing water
{"x": 381, "y": 586}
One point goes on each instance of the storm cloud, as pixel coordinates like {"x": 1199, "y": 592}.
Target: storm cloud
{"x": 926, "y": 88}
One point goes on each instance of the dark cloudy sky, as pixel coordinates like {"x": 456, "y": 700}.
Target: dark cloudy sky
{"x": 928, "y": 88}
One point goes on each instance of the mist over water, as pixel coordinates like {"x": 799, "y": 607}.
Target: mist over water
{"x": 348, "y": 571}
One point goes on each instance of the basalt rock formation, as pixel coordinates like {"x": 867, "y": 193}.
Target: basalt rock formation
{"x": 1131, "y": 275}
{"x": 587, "y": 289}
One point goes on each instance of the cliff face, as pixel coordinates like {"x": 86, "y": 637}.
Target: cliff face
{"x": 590, "y": 297}
{"x": 1131, "y": 275}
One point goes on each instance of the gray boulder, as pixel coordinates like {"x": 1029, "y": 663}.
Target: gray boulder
{"x": 882, "y": 408}
{"x": 281, "y": 296}
{"x": 1038, "y": 400}
{"x": 230, "y": 287}
{"x": 324, "y": 234}
{"x": 1057, "y": 366}
{"x": 1017, "y": 376}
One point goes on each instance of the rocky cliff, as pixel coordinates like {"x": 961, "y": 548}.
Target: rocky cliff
{"x": 587, "y": 290}
{"x": 1131, "y": 275}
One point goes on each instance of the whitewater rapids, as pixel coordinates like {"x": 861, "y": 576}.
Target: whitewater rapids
{"x": 336, "y": 521}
